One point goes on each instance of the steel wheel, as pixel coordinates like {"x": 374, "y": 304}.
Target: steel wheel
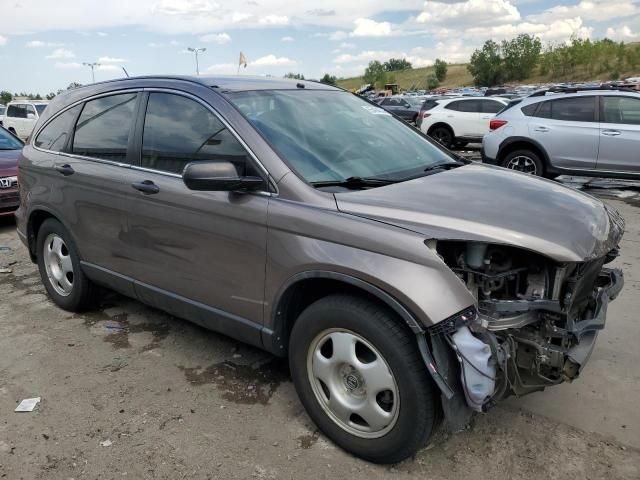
{"x": 353, "y": 383}
{"x": 58, "y": 265}
{"x": 524, "y": 164}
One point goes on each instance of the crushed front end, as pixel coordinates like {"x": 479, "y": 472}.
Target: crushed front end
{"x": 534, "y": 326}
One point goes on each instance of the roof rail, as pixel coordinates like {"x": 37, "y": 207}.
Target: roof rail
{"x": 542, "y": 93}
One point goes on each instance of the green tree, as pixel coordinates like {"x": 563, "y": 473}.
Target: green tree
{"x": 440, "y": 69}
{"x": 329, "y": 79}
{"x": 295, "y": 76}
{"x": 50, "y": 96}
{"x": 375, "y": 74}
{"x": 486, "y": 65}
{"x": 396, "y": 64}
{"x": 520, "y": 56}
{"x": 5, "y": 97}
{"x": 73, "y": 85}
{"x": 432, "y": 81}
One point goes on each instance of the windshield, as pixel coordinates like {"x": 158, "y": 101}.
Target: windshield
{"x": 333, "y": 135}
{"x": 40, "y": 108}
{"x": 8, "y": 141}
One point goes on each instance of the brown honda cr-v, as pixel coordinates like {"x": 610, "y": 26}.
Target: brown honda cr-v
{"x": 405, "y": 285}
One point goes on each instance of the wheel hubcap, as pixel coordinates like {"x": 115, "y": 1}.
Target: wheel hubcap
{"x": 353, "y": 383}
{"x": 523, "y": 164}
{"x": 58, "y": 265}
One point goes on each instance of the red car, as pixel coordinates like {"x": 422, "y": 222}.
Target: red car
{"x": 10, "y": 148}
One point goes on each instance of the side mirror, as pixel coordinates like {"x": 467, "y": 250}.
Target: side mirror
{"x": 31, "y": 116}
{"x": 217, "y": 176}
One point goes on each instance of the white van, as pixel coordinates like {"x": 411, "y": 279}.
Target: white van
{"x": 22, "y": 115}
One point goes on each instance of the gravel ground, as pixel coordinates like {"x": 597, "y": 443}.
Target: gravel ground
{"x": 130, "y": 392}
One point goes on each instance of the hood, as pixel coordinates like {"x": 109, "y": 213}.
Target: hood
{"x": 489, "y": 204}
{"x": 9, "y": 162}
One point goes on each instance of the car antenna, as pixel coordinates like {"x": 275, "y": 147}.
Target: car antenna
{"x": 125, "y": 72}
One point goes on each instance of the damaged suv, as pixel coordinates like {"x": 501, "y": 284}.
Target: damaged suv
{"x": 406, "y": 286}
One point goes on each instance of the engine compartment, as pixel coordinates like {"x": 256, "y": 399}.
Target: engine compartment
{"x": 539, "y": 318}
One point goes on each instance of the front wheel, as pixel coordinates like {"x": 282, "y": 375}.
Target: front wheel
{"x": 361, "y": 378}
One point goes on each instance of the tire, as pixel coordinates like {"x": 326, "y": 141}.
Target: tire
{"x": 442, "y": 135}
{"x": 406, "y": 418}
{"x": 59, "y": 266}
{"x": 12, "y": 130}
{"x": 526, "y": 161}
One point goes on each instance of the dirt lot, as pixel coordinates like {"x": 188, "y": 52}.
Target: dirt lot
{"x": 175, "y": 401}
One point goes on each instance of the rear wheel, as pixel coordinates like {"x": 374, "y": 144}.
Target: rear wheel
{"x": 59, "y": 266}
{"x": 12, "y": 130}
{"x": 442, "y": 135}
{"x": 525, "y": 161}
{"x": 361, "y": 378}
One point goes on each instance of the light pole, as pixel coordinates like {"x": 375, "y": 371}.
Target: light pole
{"x": 197, "y": 51}
{"x": 92, "y": 66}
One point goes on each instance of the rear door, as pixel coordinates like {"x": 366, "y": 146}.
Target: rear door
{"x": 16, "y": 118}
{"x": 568, "y": 130}
{"x": 619, "y": 134}
{"x": 463, "y": 116}
{"x": 203, "y": 249}
{"x": 488, "y": 110}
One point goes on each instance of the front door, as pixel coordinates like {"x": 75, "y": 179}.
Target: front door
{"x": 205, "y": 251}
{"x": 619, "y": 134}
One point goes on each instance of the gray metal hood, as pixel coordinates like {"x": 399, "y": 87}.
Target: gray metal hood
{"x": 484, "y": 203}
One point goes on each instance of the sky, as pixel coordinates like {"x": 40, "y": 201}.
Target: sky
{"x": 44, "y": 43}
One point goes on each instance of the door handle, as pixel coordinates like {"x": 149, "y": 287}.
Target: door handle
{"x": 146, "y": 186}
{"x": 65, "y": 169}
{"x": 611, "y": 133}
{"x": 541, "y": 129}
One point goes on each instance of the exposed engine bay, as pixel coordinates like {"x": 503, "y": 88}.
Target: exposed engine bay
{"x": 536, "y": 320}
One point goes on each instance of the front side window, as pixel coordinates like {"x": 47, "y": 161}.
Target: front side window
{"x": 576, "y": 109}
{"x": 326, "y": 135}
{"x": 623, "y": 110}
{"x": 178, "y": 130}
{"x": 54, "y": 136}
{"x": 103, "y": 128}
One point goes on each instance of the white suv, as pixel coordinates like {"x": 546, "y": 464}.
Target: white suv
{"x": 21, "y": 116}
{"x": 458, "y": 121}
{"x": 588, "y": 131}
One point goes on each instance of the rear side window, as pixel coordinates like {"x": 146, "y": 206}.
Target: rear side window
{"x": 469, "y": 106}
{"x": 103, "y": 128}
{"x": 178, "y": 130}
{"x": 54, "y": 136}
{"x": 490, "y": 106}
{"x": 576, "y": 109}
{"x": 529, "y": 110}
{"x": 622, "y": 110}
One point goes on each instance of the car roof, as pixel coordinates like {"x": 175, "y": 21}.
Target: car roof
{"x": 235, "y": 83}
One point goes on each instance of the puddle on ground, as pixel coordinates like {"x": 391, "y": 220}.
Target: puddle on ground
{"x": 119, "y": 327}
{"x": 309, "y": 440}
{"x": 246, "y": 384}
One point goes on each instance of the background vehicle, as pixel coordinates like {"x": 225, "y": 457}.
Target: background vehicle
{"x": 10, "y": 147}
{"x": 460, "y": 120}
{"x": 356, "y": 257}
{"x": 582, "y": 131}
{"x": 22, "y": 115}
{"x": 406, "y": 108}
{"x": 2, "y": 110}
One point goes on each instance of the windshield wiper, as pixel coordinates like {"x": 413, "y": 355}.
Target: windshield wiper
{"x": 355, "y": 182}
{"x": 442, "y": 166}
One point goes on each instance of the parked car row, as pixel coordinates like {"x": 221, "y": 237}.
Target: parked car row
{"x": 20, "y": 116}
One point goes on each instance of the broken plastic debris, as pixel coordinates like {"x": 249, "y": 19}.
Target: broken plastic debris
{"x": 106, "y": 443}
{"x": 5, "y": 248}
{"x": 5, "y": 270}
{"x": 27, "y": 405}
{"x": 114, "y": 326}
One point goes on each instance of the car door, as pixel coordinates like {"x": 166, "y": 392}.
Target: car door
{"x": 462, "y": 115}
{"x": 619, "y": 134}
{"x": 16, "y": 115}
{"x": 89, "y": 185}
{"x": 568, "y": 130}
{"x": 27, "y": 124}
{"x": 194, "y": 249}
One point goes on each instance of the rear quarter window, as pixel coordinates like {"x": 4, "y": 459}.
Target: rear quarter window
{"x": 530, "y": 110}
{"x": 54, "y": 135}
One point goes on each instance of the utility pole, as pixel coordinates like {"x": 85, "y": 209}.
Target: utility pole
{"x": 92, "y": 66}
{"x": 197, "y": 51}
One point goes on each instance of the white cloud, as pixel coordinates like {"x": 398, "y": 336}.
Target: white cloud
{"x": 622, "y": 33}
{"x": 274, "y": 20}
{"x": 108, "y": 68}
{"x": 470, "y": 12}
{"x": 366, "y": 27}
{"x": 346, "y": 45}
{"x": 102, "y": 34}
{"x": 39, "y": 43}
{"x": 272, "y": 60}
{"x": 598, "y": 10}
{"x": 61, "y": 53}
{"x": 558, "y": 30}
{"x": 3, "y": 40}
{"x": 237, "y": 17}
{"x": 112, "y": 60}
{"x": 184, "y": 7}
{"x": 287, "y": 39}
{"x": 223, "y": 68}
{"x": 68, "y": 65}
{"x": 218, "y": 38}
